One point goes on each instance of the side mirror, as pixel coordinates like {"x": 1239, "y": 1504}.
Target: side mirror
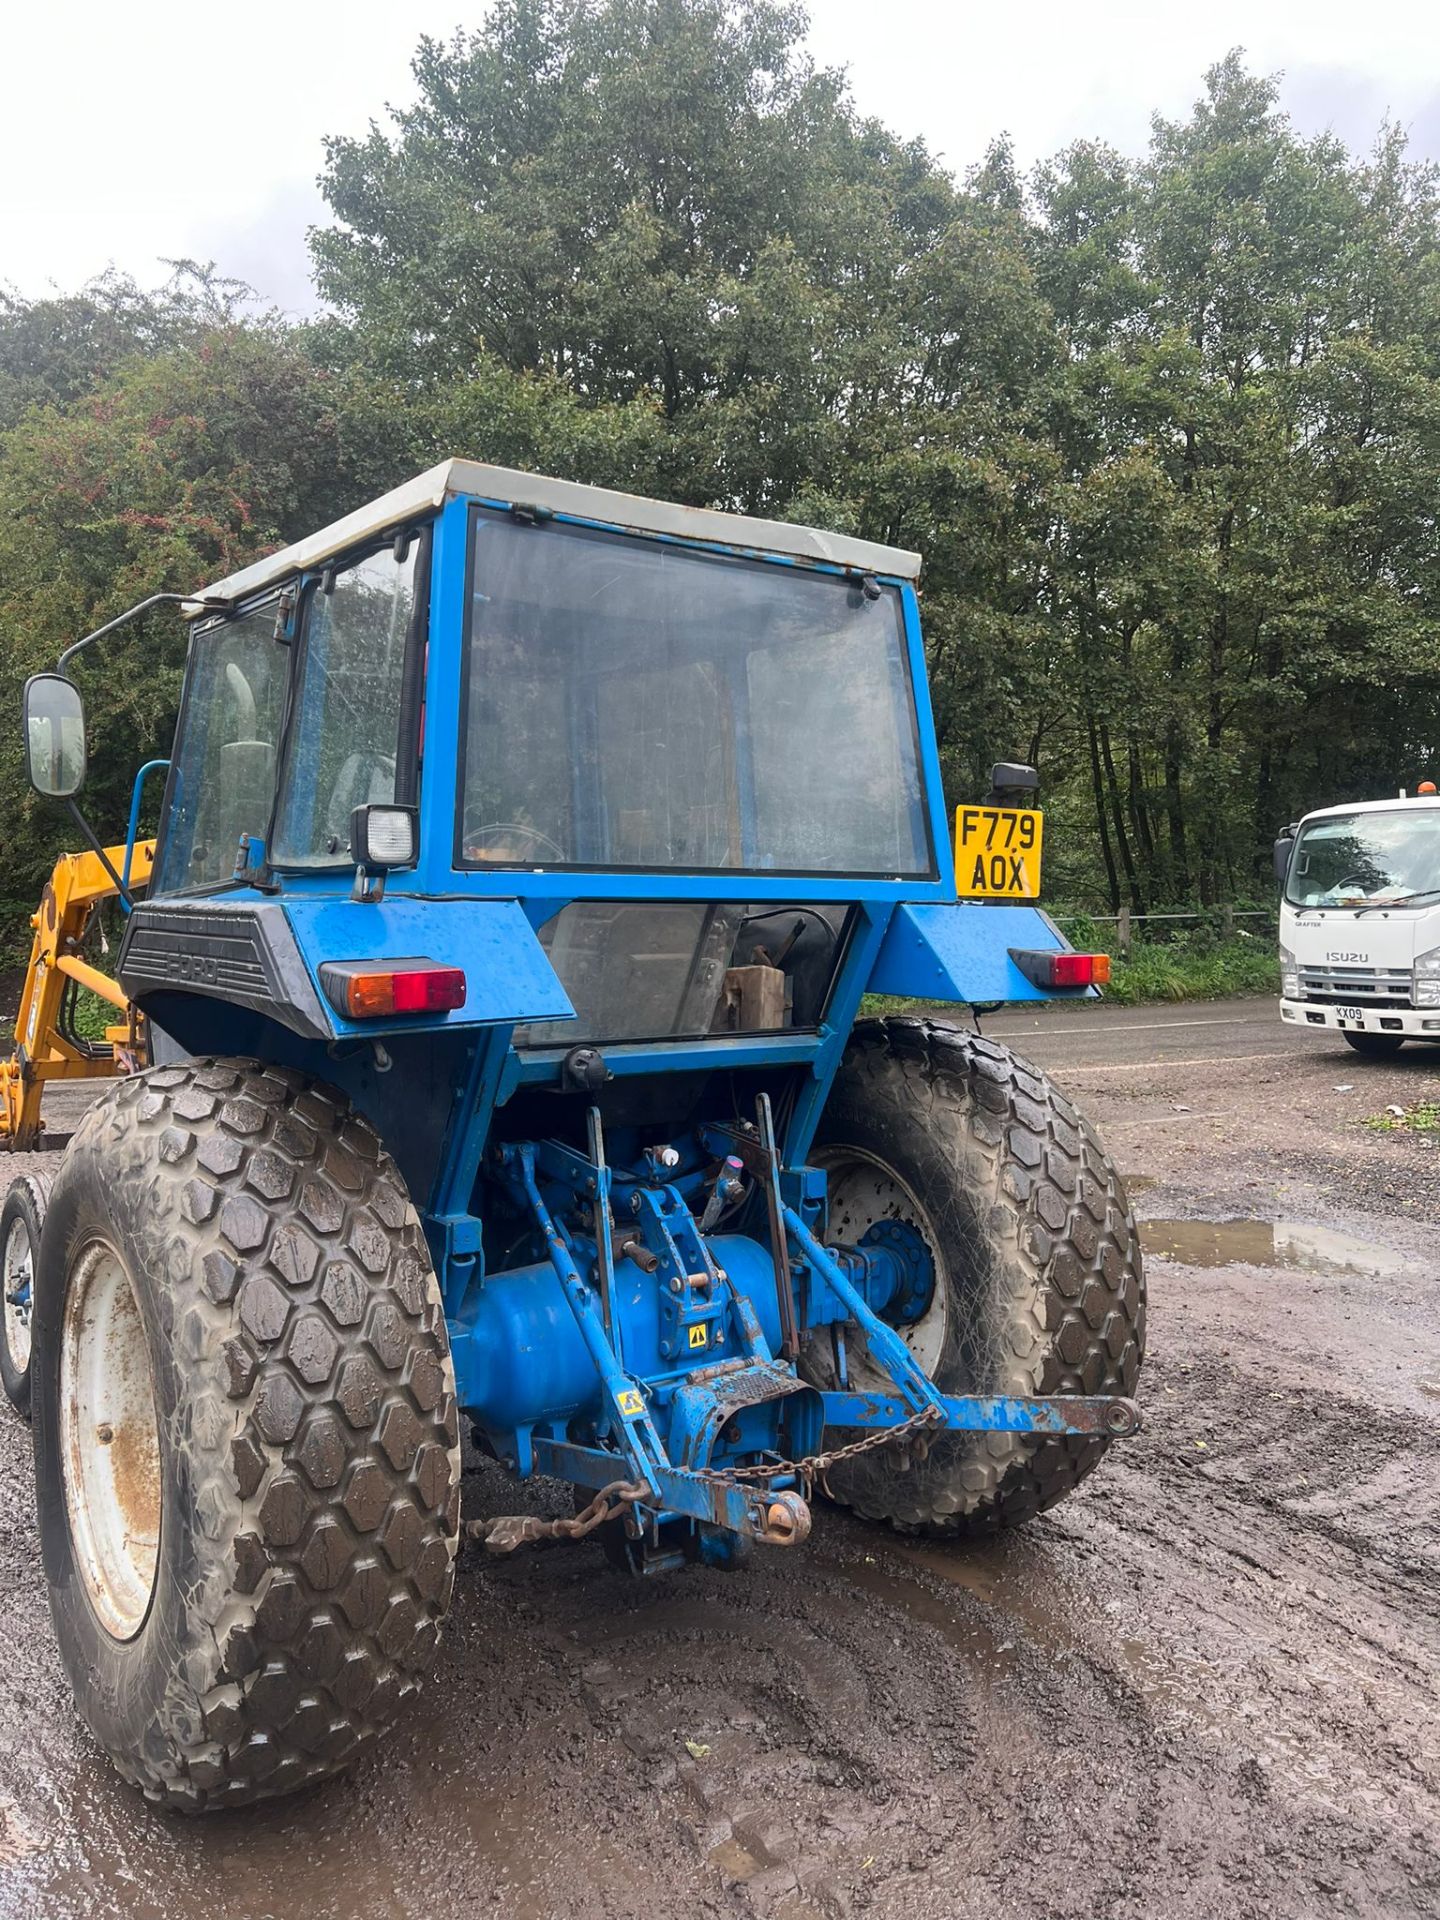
{"x": 1282, "y": 855}
{"x": 54, "y": 722}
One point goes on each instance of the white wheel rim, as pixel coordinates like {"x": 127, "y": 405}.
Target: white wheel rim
{"x": 109, "y": 1441}
{"x": 863, "y": 1191}
{"x": 19, "y": 1280}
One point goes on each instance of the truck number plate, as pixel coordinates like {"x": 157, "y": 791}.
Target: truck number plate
{"x": 1355, "y": 1016}
{"x": 997, "y": 853}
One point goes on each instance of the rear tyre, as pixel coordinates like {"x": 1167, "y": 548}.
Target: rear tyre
{"x": 1375, "y": 1046}
{"x": 21, "y": 1219}
{"x": 1039, "y": 1287}
{"x": 246, "y": 1446}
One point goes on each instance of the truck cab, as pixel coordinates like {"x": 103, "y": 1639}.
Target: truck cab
{"x": 1360, "y": 922}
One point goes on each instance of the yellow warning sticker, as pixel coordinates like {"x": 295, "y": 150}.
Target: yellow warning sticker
{"x": 630, "y": 1403}
{"x": 699, "y": 1336}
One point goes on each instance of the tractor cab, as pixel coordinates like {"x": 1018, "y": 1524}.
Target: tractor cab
{"x": 655, "y": 737}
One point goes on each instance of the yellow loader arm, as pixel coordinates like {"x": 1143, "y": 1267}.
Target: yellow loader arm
{"x": 43, "y": 1052}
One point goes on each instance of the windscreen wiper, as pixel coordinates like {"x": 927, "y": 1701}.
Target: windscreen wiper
{"x": 1405, "y": 900}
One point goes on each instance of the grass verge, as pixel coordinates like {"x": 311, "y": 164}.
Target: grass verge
{"x": 1194, "y": 969}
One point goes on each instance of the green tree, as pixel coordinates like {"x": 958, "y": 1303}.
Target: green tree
{"x": 1246, "y": 420}
{"x": 657, "y": 199}
{"x": 56, "y": 349}
{"x": 168, "y": 474}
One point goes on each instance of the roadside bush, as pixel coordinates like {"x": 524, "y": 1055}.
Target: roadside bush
{"x": 1198, "y": 968}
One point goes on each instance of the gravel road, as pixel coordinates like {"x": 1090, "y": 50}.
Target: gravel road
{"x": 1203, "y": 1686}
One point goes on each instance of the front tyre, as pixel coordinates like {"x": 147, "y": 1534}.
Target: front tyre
{"x": 246, "y": 1447}
{"x": 1038, "y": 1286}
{"x": 21, "y": 1219}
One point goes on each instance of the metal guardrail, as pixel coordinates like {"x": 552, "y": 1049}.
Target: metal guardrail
{"x": 1125, "y": 919}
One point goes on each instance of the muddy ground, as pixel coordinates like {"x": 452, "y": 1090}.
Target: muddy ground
{"x": 1205, "y": 1685}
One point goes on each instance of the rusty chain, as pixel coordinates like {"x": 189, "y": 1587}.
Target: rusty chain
{"x": 507, "y": 1531}
{"x": 816, "y": 1465}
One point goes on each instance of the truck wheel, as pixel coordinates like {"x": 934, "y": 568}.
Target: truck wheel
{"x": 1375, "y": 1046}
{"x": 246, "y": 1447}
{"x": 20, "y": 1221}
{"x": 1038, "y": 1286}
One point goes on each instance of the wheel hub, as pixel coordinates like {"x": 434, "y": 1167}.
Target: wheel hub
{"x": 109, "y": 1441}
{"x": 19, "y": 1292}
{"x": 905, "y": 1244}
{"x": 870, "y": 1205}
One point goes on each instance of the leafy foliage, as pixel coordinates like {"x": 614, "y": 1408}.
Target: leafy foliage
{"x": 169, "y": 473}
{"x": 1197, "y": 969}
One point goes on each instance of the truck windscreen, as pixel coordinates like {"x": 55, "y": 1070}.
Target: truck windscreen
{"x": 634, "y": 704}
{"x": 1367, "y": 859}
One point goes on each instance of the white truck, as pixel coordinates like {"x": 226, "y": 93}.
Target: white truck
{"x": 1360, "y": 921}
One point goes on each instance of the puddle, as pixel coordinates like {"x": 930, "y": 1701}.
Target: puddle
{"x": 1020, "y": 1604}
{"x": 733, "y": 1860}
{"x": 971, "y": 1637}
{"x": 1139, "y": 1182}
{"x": 1266, "y": 1243}
{"x": 1172, "y": 1683}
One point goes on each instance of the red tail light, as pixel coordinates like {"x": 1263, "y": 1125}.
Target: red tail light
{"x": 1078, "y": 969}
{"x": 1063, "y": 969}
{"x": 361, "y": 990}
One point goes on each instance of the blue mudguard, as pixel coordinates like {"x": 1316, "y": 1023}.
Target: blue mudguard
{"x": 942, "y": 950}
{"x": 507, "y": 976}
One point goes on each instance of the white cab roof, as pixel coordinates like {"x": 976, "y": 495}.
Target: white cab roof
{"x": 626, "y": 510}
{"x": 1422, "y": 800}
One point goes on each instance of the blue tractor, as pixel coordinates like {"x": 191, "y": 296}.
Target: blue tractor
{"x": 526, "y": 855}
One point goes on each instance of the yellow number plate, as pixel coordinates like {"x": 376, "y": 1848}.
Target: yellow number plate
{"x": 997, "y": 853}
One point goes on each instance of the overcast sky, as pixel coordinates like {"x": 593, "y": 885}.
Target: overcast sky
{"x": 129, "y": 135}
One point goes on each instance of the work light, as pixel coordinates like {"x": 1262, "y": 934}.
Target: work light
{"x": 382, "y": 837}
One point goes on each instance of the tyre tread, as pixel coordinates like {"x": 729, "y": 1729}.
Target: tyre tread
{"x": 1069, "y": 1316}
{"x": 260, "y": 1185}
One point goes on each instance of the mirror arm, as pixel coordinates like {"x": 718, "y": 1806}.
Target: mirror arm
{"x": 134, "y": 613}
{"x": 95, "y": 847}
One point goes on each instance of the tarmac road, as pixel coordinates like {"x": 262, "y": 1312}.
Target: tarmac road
{"x": 1062, "y": 1038}
{"x": 1205, "y": 1685}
